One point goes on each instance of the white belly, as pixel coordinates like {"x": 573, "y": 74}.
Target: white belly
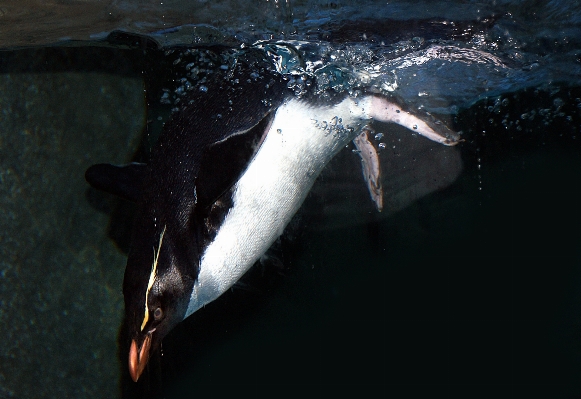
{"x": 301, "y": 141}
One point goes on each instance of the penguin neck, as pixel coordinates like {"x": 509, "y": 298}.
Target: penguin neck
{"x": 301, "y": 141}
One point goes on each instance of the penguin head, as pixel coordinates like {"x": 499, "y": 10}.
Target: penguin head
{"x": 157, "y": 288}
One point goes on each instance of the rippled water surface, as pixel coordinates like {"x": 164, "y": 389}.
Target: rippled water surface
{"x": 468, "y": 284}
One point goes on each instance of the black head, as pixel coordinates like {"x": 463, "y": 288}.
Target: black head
{"x": 163, "y": 261}
{"x": 156, "y": 298}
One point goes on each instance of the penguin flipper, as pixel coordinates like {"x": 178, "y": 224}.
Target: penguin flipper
{"x": 370, "y": 167}
{"x": 224, "y": 162}
{"x": 125, "y": 181}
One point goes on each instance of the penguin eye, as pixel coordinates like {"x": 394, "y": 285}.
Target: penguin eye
{"x": 157, "y": 313}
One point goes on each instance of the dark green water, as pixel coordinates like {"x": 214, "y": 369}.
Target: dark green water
{"x": 60, "y": 292}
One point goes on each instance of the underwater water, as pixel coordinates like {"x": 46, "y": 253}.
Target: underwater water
{"x": 467, "y": 284}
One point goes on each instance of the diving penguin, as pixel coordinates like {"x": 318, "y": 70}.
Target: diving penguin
{"x": 230, "y": 169}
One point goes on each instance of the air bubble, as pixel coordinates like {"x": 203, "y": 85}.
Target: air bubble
{"x": 164, "y": 98}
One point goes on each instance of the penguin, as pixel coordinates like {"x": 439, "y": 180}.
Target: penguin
{"x": 230, "y": 169}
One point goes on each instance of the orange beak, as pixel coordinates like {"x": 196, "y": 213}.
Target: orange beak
{"x": 138, "y": 357}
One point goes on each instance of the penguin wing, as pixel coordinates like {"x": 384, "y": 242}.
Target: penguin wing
{"x": 224, "y": 162}
{"x": 125, "y": 181}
